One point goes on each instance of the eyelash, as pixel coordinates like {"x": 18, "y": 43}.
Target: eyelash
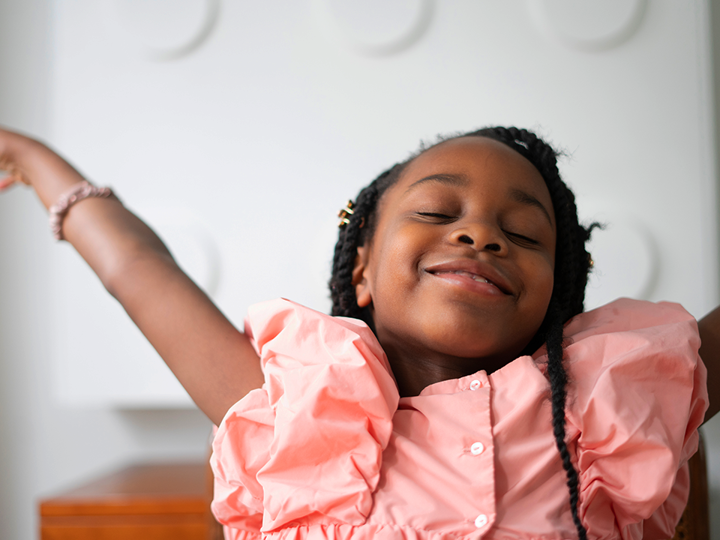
{"x": 522, "y": 238}
{"x": 436, "y": 215}
{"x": 447, "y": 218}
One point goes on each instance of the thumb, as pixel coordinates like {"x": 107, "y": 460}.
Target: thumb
{"x": 13, "y": 177}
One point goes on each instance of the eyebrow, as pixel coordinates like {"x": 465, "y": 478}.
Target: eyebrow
{"x": 517, "y": 195}
{"x": 450, "y": 179}
{"x": 524, "y": 197}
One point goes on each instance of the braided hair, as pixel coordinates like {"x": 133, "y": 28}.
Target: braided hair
{"x": 572, "y": 265}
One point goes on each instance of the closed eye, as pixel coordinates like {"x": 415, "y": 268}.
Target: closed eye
{"x": 521, "y": 238}
{"x": 436, "y": 215}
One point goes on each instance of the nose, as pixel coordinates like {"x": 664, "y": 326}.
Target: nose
{"x": 481, "y": 236}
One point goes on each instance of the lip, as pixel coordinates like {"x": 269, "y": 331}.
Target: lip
{"x": 475, "y": 269}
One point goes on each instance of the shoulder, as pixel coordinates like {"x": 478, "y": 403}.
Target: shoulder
{"x": 636, "y": 397}
{"x": 632, "y": 330}
{"x": 283, "y": 326}
{"x": 633, "y": 344}
{"x": 327, "y": 405}
{"x": 270, "y": 318}
{"x": 627, "y": 315}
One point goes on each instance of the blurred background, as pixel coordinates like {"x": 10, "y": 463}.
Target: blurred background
{"x": 238, "y": 129}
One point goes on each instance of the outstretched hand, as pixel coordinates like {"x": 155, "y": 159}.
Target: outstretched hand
{"x": 27, "y": 161}
{"x": 12, "y": 145}
{"x": 12, "y": 177}
{"x": 214, "y": 361}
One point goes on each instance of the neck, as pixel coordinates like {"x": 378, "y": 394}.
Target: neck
{"x": 414, "y": 371}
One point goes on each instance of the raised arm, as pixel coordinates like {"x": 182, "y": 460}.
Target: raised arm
{"x": 709, "y": 327}
{"x": 212, "y": 359}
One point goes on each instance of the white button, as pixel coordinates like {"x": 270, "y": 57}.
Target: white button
{"x": 477, "y": 448}
{"x": 481, "y": 521}
{"x": 475, "y": 385}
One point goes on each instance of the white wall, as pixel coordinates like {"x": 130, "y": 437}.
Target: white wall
{"x": 609, "y": 115}
{"x": 45, "y": 446}
{"x": 274, "y": 118}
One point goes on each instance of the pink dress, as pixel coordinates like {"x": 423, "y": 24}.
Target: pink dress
{"x": 327, "y": 450}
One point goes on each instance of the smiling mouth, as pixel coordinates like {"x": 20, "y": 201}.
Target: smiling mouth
{"x": 468, "y": 274}
{"x": 475, "y": 277}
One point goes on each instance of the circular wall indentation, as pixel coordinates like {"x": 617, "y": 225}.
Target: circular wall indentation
{"x": 626, "y": 261}
{"x": 165, "y": 29}
{"x": 591, "y": 25}
{"x": 374, "y": 27}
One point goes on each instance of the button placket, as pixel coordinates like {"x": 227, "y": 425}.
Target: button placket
{"x": 481, "y": 453}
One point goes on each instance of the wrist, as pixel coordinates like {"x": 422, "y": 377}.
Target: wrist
{"x": 79, "y": 192}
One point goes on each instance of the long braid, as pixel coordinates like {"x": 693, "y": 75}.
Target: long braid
{"x": 572, "y": 264}
{"x": 342, "y": 292}
{"x": 361, "y": 226}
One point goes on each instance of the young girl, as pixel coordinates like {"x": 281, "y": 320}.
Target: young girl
{"x": 458, "y": 391}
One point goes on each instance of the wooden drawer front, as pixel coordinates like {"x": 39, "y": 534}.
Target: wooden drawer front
{"x": 125, "y": 528}
{"x": 145, "y": 502}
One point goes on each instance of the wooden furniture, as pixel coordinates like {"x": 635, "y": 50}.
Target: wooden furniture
{"x": 143, "y": 502}
{"x": 695, "y": 522}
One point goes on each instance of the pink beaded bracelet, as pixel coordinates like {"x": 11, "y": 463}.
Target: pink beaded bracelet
{"x": 59, "y": 210}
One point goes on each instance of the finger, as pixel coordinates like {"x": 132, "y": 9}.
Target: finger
{"x": 7, "y": 181}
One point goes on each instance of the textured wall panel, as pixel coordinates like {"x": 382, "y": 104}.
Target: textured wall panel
{"x": 242, "y": 149}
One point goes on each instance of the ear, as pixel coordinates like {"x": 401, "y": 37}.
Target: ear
{"x": 361, "y": 277}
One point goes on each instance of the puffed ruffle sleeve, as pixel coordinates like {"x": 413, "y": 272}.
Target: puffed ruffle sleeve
{"x": 307, "y": 447}
{"x": 639, "y": 396}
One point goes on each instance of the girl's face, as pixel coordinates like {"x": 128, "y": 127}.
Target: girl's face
{"x": 459, "y": 271}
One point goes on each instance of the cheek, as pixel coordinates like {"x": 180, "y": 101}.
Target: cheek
{"x": 543, "y": 284}
{"x": 548, "y": 293}
{"x": 397, "y": 261}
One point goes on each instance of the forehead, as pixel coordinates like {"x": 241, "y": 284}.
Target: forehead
{"x": 481, "y": 160}
{"x": 480, "y": 157}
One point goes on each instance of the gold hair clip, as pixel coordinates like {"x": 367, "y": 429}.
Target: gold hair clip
{"x": 345, "y": 213}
